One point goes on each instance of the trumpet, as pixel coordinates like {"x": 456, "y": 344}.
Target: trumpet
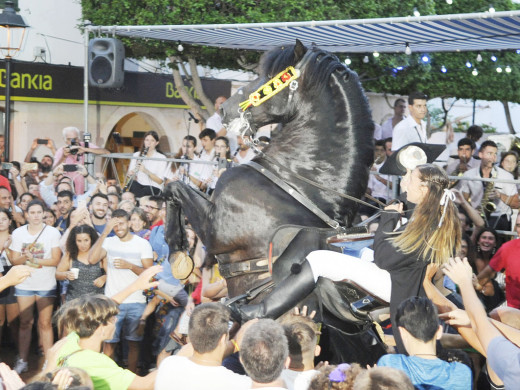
{"x": 132, "y": 177}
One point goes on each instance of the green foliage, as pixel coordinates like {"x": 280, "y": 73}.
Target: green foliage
{"x": 391, "y": 73}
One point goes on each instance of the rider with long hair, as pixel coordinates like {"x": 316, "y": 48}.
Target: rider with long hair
{"x": 401, "y": 252}
{"x": 148, "y": 175}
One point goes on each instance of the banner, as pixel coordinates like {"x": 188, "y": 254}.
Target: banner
{"x": 41, "y": 82}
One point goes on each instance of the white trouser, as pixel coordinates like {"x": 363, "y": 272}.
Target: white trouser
{"x": 337, "y": 267}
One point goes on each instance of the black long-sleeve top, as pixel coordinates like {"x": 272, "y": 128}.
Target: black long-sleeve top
{"x": 407, "y": 271}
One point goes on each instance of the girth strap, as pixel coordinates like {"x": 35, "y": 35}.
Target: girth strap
{"x": 246, "y": 266}
{"x": 295, "y": 194}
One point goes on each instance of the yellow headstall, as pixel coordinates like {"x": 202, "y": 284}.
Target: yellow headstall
{"x": 271, "y": 88}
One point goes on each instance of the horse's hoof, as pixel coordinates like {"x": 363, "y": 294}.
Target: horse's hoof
{"x": 182, "y": 265}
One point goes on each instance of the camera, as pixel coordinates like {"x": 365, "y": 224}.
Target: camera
{"x": 42, "y": 141}
{"x": 7, "y": 166}
{"x": 70, "y": 168}
{"x": 73, "y": 142}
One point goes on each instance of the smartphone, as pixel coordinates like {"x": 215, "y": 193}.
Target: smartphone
{"x": 70, "y": 167}
{"x": 41, "y": 141}
{"x": 7, "y": 166}
{"x": 30, "y": 166}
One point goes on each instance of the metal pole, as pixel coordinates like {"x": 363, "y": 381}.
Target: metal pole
{"x": 90, "y": 167}
{"x": 7, "y": 115}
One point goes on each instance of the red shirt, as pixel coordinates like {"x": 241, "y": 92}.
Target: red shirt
{"x": 161, "y": 222}
{"x": 508, "y": 258}
{"x": 5, "y": 183}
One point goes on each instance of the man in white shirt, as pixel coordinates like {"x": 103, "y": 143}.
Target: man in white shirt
{"x": 387, "y": 128}
{"x": 412, "y": 128}
{"x": 503, "y": 195}
{"x": 245, "y": 153}
{"x": 202, "y": 174}
{"x": 209, "y": 336}
{"x": 215, "y": 122}
{"x": 128, "y": 255}
{"x": 264, "y": 354}
{"x": 302, "y": 340}
{"x": 465, "y": 160}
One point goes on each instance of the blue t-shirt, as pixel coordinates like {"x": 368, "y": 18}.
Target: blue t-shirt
{"x": 430, "y": 374}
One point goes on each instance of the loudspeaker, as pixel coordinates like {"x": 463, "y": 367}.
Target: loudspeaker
{"x": 105, "y": 63}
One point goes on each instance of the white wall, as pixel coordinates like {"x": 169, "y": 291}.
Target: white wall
{"x": 53, "y": 26}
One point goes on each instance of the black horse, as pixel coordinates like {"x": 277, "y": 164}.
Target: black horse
{"x": 325, "y": 135}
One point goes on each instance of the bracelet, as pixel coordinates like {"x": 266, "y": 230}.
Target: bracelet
{"x": 235, "y": 344}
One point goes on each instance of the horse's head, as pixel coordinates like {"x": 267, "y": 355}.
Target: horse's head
{"x": 271, "y": 97}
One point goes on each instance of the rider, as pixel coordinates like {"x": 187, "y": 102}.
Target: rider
{"x": 401, "y": 252}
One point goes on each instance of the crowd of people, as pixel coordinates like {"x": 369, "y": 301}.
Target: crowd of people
{"x": 87, "y": 280}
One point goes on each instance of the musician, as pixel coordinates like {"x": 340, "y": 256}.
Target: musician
{"x": 480, "y": 194}
{"x": 202, "y": 173}
{"x": 465, "y": 160}
{"x": 379, "y": 185}
{"x": 401, "y": 251}
{"x": 148, "y": 175}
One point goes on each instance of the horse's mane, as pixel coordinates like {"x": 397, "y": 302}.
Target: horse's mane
{"x": 316, "y": 74}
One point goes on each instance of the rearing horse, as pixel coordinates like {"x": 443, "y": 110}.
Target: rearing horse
{"x": 326, "y": 136}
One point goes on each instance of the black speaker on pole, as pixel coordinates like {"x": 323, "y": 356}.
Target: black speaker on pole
{"x": 105, "y": 63}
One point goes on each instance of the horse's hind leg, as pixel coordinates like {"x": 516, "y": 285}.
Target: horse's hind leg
{"x": 182, "y": 201}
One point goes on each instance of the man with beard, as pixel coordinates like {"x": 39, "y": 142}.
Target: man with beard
{"x": 65, "y": 206}
{"x": 245, "y": 153}
{"x": 47, "y": 161}
{"x": 49, "y": 188}
{"x": 128, "y": 255}
{"x": 478, "y": 193}
{"x": 152, "y": 207}
{"x": 98, "y": 213}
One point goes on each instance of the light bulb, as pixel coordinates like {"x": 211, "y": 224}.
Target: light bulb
{"x": 408, "y": 50}
{"x": 180, "y": 47}
{"x": 508, "y": 69}
{"x": 468, "y": 64}
{"x": 493, "y": 58}
{"x": 443, "y": 69}
{"x": 474, "y": 72}
{"x": 425, "y": 58}
{"x": 479, "y": 58}
{"x": 376, "y": 54}
{"x": 348, "y": 61}
{"x": 499, "y": 69}
{"x": 365, "y": 59}
{"x": 416, "y": 12}
{"x": 450, "y": 2}
{"x": 491, "y": 9}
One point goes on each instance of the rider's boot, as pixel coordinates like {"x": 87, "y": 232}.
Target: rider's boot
{"x": 285, "y": 295}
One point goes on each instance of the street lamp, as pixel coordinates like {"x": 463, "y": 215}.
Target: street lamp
{"x": 12, "y": 32}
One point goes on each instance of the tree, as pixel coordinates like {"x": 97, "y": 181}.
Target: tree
{"x": 395, "y": 73}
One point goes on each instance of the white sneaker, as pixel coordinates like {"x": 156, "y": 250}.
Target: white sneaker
{"x": 21, "y": 366}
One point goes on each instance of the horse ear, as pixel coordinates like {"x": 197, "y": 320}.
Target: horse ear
{"x": 299, "y": 51}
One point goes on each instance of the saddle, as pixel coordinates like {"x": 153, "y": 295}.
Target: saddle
{"x": 345, "y": 300}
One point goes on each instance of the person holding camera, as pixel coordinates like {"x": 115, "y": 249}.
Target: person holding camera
{"x": 74, "y": 153}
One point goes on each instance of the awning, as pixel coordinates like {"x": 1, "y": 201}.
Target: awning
{"x": 425, "y": 34}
